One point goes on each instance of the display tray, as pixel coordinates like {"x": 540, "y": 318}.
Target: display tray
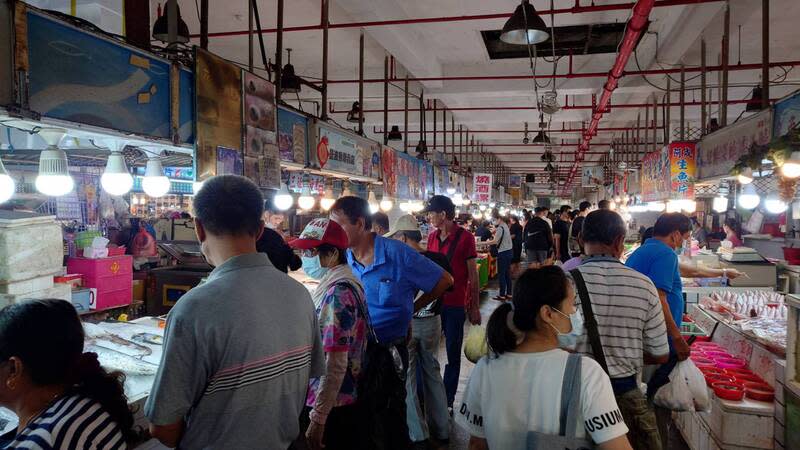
{"x": 770, "y": 346}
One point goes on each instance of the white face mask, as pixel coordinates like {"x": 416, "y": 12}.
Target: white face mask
{"x": 569, "y": 340}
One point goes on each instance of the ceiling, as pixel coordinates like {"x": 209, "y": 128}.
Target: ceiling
{"x": 456, "y": 48}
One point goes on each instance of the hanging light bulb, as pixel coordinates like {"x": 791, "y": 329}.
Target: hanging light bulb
{"x": 283, "y": 198}
{"x": 612, "y": 206}
{"x": 196, "y": 186}
{"x": 476, "y": 214}
{"x": 775, "y": 205}
{"x": 386, "y": 203}
{"x": 492, "y": 204}
{"x": 791, "y": 168}
{"x": 53, "y": 178}
{"x": 417, "y": 206}
{"x": 346, "y": 192}
{"x": 451, "y": 190}
{"x": 656, "y": 206}
{"x": 458, "y": 200}
{"x": 116, "y": 180}
{"x": 746, "y": 177}
{"x": 673, "y": 206}
{"x": 305, "y": 201}
{"x": 374, "y": 206}
{"x": 487, "y": 215}
{"x": 404, "y": 207}
{"x": 7, "y": 185}
{"x": 466, "y": 200}
{"x": 154, "y": 183}
{"x": 720, "y": 204}
{"x": 482, "y": 207}
{"x": 689, "y": 206}
{"x": 327, "y": 201}
{"x": 749, "y": 198}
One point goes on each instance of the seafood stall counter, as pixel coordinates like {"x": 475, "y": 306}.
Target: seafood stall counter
{"x": 133, "y": 348}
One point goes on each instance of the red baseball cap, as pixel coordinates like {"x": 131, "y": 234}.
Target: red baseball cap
{"x": 321, "y": 231}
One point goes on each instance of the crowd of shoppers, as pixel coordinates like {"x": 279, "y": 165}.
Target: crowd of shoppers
{"x": 354, "y": 364}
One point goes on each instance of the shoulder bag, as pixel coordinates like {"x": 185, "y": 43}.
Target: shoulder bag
{"x": 589, "y": 319}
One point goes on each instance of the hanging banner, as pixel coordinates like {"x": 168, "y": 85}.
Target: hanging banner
{"x": 441, "y": 175}
{"x": 787, "y": 115}
{"x": 515, "y": 181}
{"x": 683, "y": 171}
{"x": 414, "y": 177}
{"x": 316, "y": 183}
{"x": 718, "y": 152}
{"x": 655, "y": 176}
{"x": 482, "y": 186}
{"x": 292, "y": 136}
{"x": 345, "y": 152}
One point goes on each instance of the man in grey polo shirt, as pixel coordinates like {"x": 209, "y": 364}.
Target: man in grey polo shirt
{"x": 240, "y": 348}
{"x": 630, "y": 321}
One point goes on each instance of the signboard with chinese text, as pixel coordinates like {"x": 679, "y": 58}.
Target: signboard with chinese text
{"x": 344, "y": 152}
{"x": 787, "y": 115}
{"x": 655, "y": 176}
{"x": 316, "y": 183}
{"x": 292, "y": 136}
{"x": 405, "y": 177}
{"x": 482, "y": 187}
{"x": 718, "y": 152}
{"x": 683, "y": 171}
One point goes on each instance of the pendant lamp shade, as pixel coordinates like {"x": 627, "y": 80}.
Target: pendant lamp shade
{"x": 161, "y": 27}
{"x": 290, "y": 82}
{"x": 394, "y": 134}
{"x": 524, "y": 27}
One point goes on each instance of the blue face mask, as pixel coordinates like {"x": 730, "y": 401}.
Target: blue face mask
{"x": 570, "y": 340}
{"x": 313, "y": 268}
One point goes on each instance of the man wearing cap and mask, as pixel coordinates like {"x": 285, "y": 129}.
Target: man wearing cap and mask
{"x": 459, "y": 247}
{"x": 426, "y": 329}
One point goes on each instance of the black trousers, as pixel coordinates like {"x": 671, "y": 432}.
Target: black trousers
{"x": 343, "y": 429}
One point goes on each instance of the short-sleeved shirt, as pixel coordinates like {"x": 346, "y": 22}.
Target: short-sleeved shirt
{"x": 658, "y": 261}
{"x": 435, "y": 307}
{"x": 505, "y": 242}
{"x": 343, "y": 329}
{"x": 515, "y": 393}
{"x": 71, "y": 422}
{"x": 577, "y": 226}
{"x": 239, "y": 351}
{"x": 464, "y": 251}
{"x": 391, "y": 283}
{"x": 561, "y": 228}
{"x": 630, "y": 319}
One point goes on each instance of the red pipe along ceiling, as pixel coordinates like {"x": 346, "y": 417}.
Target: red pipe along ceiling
{"x": 641, "y": 12}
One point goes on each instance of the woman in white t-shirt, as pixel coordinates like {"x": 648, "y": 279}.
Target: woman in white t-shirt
{"x": 520, "y": 396}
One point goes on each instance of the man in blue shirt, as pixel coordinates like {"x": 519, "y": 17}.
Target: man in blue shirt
{"x": 658, "y": 261}
{"x": 392, "y": 274}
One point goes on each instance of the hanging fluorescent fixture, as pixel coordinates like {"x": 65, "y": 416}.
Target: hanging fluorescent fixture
{"x": 154, "y": 183}
{"x": 53, "y": 179}
{"x": 7, "y": 185}
{"x": 116, "y": 180}
{"x": 749, "y": 198}
{"x": 524, "y": 27}
{"x": 283, "y": 198}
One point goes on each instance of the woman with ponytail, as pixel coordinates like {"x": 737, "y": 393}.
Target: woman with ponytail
{"x": 528, "y": 393}
{"x": 62, "y": 397}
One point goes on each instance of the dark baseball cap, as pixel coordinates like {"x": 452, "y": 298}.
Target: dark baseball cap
{"x": 440, "y": 203}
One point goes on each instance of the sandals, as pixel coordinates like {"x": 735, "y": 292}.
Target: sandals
{"x": 499, "y": 298}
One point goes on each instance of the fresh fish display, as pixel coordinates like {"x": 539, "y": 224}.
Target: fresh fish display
{"x": 112, "y": 360}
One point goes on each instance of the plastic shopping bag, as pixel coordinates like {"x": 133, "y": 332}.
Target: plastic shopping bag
{"x": 686, "y": 390}
{"x": 475, "y": 346}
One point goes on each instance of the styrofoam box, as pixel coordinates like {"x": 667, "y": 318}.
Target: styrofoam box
{"x": 58, "y": 291}
{"x": 30, "y": 251}
{"x": 25, "y": 286}
{"x": 746, "y": 424}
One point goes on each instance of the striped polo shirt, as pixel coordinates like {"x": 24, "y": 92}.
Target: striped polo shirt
{"x": 71, "y": 422}
{"x": 629, "y": 315}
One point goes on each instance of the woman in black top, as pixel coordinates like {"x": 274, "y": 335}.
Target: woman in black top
{"x": 516, "y": 239}
{"x": 278, "y": 251}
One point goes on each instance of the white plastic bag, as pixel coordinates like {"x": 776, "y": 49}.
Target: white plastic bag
{"x": 686, "y": 390}
{"x": 475, "y": 346}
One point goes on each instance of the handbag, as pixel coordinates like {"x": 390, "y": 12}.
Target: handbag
{"x": 493, "y": 247}
{"x": 589, "y": 320}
